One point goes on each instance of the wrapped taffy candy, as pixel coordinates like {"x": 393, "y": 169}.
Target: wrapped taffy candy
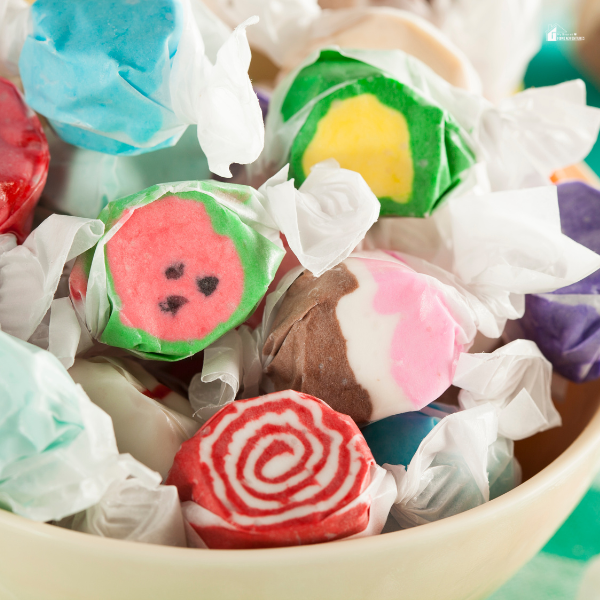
{"x": 139, "y": 76}
{"x": 82, "y": 182}
{"x": 280, "y": 470}
{"x": 149, "y": 429}
{"x": 371, "y": 337}
{"x": 412, "y": 135}
{"x": 24, "y": 159}
{"x": 288, "y": 32}
{"x": 181, "y": 264}
{"x": 58, "y": 453}
{"x": 565, "y": 324}
{"x": 409, "y": 149}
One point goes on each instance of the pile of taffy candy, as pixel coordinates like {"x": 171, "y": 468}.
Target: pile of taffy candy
{"x": 346, "y": 339}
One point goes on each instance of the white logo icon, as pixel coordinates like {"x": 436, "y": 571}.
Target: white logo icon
{"x": 556, "y": 33}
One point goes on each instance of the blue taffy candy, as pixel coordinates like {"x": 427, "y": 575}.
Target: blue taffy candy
{"x": 58, "y": 453}
{"x": 565, "y": 324}
{"x": 127, "y": 77}
{"x": 99, "y": 71}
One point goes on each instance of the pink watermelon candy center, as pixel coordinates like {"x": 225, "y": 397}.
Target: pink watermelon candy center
{"x": 177, "y": 278}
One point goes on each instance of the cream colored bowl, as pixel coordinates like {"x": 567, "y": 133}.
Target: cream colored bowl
{"x": 464, "y": 557}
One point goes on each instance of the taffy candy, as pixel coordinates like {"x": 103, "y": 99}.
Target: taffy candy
{"x": 565, "y": 324}
{"x": 278, "y": 470}
{"x": 144, "y": 427}
{"x": 82, "y": 182}
{"x": 179, "y": 268}
{"x": 372, "y": 337}
{"x": 131, "y": 78}
{"x": 205, "y": 254}
{"x": 409, "y": 149}
{"x": 58, "y": 454}
{"x": 24, "y": 159}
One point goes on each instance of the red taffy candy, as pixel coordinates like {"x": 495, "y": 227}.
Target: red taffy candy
{"x": 278, "y": 470}
{"x": 24, "y": 160}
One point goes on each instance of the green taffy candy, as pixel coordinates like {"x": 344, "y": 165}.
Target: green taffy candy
{"x": 410, "y": 151}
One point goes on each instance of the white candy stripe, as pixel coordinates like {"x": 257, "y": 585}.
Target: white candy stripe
{"x": 282, "y": 464}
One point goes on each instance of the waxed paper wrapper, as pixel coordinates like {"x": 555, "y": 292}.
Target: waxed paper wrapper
{"x": 34, "y": 301}
{"x": 520, "y": 142}
{"x": 566, "y": 324}
{"x": 136, "y": 511}
{"x": 59, "y": 454}
{"x": 218, "y": 97}
{"x": 331, "y": 198}
{"x": 149, "y": 430}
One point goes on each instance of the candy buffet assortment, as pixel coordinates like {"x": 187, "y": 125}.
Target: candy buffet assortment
{"x": 320, "y": 308}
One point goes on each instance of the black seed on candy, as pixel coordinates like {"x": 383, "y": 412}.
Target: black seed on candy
{"x": 207, "y": 285}
{"x": 175, "y": 271}
{"x": 172, "y": 304}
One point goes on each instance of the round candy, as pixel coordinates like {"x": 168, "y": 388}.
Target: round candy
{"x": 371, "y": 337}
{"x": 24, "y": 160}
{"x": 278, "y": 470}
{"x": 411, "y": 152}
{"x": 104, "y": 83}
{"x": 181, "y": 271}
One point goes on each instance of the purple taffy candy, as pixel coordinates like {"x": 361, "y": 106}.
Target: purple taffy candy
{"x": 565, "y": 324}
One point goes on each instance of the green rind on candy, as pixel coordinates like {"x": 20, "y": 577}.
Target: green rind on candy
{"x": 440, "y": 154}
{"x": 260, "y": 259}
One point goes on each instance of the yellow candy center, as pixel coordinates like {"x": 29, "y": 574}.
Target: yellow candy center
{"x": 366, "y": 136}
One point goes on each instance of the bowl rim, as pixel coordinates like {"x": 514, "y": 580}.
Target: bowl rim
{"x": 585, "y": 444}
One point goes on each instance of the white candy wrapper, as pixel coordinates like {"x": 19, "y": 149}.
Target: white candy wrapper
{"x": 144, "y": 427}
{"x": 58, "y": 450}
{"x": 204, "y": 82}
{"x": 521, "y": 142}
{"x": 137, "y": 511}
{"x": 448, "y": 473}
{"x": 30, "y": 273}
{"x": 497, "y": 246}
{"x": 516, "y": 379}
{"x": 308, "y": 217}
{"x": 500, "y": 37}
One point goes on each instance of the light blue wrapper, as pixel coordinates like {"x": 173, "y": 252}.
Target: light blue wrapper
{"x": 58, "y": 453}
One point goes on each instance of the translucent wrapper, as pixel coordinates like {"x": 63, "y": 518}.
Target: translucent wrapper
{"x": 566, "y": 324}
{"x": 499, "y": 37}
{"x": 146, "y": 421}
{"x": 520, "y": 142}
{"x": 297, "y": 471}
{"x": 175, "y": 64}
{"x": 59, "y": 454}
{"x": 82, "y": 182}
{"x": 24, "y": 161}
{"x": 496, "y": 246}
{"x": 136, "y": 511}
{"x": 516, "y": 379}
{"x": 240, "y": 249}
{"x": 448, "y": 473}
{"x": 30, "y": 275}
{"x": 289, "y": 30}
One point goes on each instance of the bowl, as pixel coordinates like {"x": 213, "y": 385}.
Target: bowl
{"x": 466, "y": 556}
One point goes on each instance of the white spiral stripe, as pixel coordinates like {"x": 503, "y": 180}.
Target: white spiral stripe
{"x": 289, "y": 461}
{"x": 290, "y": 419}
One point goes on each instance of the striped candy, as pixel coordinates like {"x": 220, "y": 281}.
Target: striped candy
{"x": 279, "y": 470}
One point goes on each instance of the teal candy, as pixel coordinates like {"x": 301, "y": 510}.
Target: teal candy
{"x": 99, "y": 70}
{"x": 395, "y": 440}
